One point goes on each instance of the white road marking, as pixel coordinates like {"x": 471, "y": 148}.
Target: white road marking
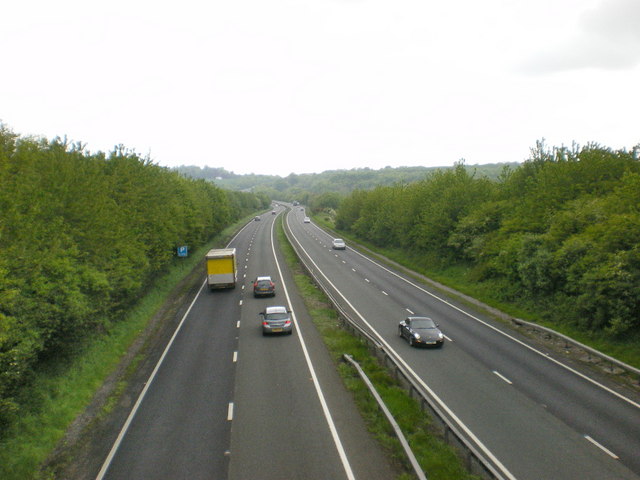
{"x": 235, "y": 357}
{"x": 400, "y": 360}
{"x": 503, "y": 377}
{"x": 385, "y": 293}
{"x": 135, "y": 408}
{"x": 604, "y": 449}
{"x": 230, "y": 411}
{"x": 410, "y": 312}
{"x": 325, "y": 408}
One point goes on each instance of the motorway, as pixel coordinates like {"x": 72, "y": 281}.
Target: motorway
{"x": 224, "y": 402}
{"x": 531, "y": 416}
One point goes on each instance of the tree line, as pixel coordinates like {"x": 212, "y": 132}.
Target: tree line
{"x": 305, "y": 186}
{"x": 81, "y": 237}
{"x": 559, "y": 234}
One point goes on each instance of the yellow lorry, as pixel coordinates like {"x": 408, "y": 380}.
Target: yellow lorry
{"x": 221, "y": 268}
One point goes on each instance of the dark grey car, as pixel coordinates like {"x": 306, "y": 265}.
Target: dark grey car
{"x": 421, "y": 331}
{"x": 264, "y": 287}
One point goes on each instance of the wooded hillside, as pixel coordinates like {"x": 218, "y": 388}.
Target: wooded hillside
{"x": 81, "y": 237}
{"x": 559, "y": 234}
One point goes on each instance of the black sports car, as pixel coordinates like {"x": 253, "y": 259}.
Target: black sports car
{"x": 421, "y": 331}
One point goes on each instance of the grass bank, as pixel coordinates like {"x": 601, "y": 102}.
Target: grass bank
{"x": 438, "y": 460}
{"x": 63, "y": 389}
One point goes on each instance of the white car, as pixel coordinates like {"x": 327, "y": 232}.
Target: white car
{"x": 306, "y": 220}
{"x": 338, "y": 244}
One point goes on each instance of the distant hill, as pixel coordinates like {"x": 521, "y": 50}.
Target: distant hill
{"x": 338, "y": 181}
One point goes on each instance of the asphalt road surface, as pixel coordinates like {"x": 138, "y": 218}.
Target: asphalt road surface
{"x": 226, "y": 402}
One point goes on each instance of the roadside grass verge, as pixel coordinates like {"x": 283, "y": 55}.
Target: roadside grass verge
{"x": 457, "y": 277}
{"x": 438, "y": 460}
{"x": 62, "y": 390}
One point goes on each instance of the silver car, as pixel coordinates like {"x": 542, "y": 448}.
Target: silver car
{"x": 276, "y": 319}
{"x": 421, "y": 331}
{"x": 338, "y": 244}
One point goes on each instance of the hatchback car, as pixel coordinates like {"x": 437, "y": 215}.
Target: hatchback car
{"x": 338, "y": 244}
{"x": 276, "y": 319}
{"x": 421, "y": 331}
{"x": 306, "y": 220}
{"x": 264, "y": 287}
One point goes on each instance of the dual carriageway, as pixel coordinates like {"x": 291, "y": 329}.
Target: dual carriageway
{"x": 225, "y": 402}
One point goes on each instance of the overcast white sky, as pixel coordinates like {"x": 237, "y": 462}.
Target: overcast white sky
{"x": 282, "y": 86}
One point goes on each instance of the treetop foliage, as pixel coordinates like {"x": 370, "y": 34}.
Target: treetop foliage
{"x": 342, "y": 182}
{"x": 560, "y": 233}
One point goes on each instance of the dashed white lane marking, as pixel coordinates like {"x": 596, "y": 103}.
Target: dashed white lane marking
{"x": 503, "y": 377}
{"x": 230, "y": 411}
{"x": 235, "y": 357}
{"x": 601, "y": 447}
{"x": 410, "y": 312}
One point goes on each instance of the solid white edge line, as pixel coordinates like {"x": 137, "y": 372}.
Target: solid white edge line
{"x": 486, "y": 324}
{"x": 134, "y": 410}
{"x": 603, "y": 448}
{"x": 325, "y": 408}
{"x": 437, "y": 399}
